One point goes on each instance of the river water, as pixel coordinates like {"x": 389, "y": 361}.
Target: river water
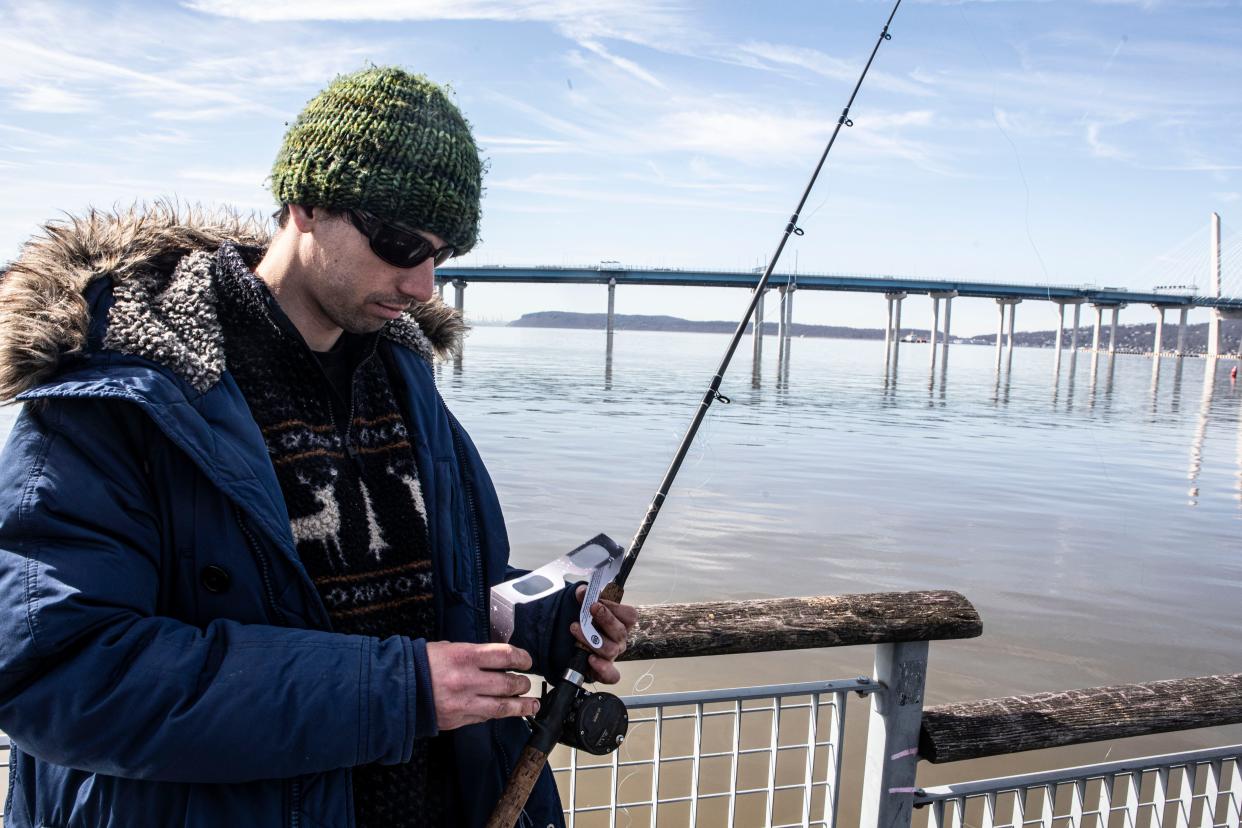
{"x": 1092, "y": 518}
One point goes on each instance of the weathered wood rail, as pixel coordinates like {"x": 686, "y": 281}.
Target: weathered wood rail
{"x": 992, "y": 727}
{"x": 733, "y": 627}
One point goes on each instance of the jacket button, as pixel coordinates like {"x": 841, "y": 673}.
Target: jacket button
{"x": 215, "y": 578}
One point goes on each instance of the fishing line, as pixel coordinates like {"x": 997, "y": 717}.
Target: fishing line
{"x": 596, "y": 721}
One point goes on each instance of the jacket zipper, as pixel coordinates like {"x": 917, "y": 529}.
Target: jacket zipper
{"x": 295, "y": 803}
{"x": 264, "y": 565}
{"x": 472, "y": 526}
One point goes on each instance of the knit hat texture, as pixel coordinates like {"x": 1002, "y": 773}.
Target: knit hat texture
{"x": 390, "y": 143}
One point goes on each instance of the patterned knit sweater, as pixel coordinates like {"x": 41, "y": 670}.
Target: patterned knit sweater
{"x": 355, "y": 505}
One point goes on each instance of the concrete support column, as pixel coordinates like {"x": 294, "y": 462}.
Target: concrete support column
{"x": 758, "y": 331}
{"x": 459, "y": 299}
{"x": 780, "y": 323}
{"x": 893, "y": 330}
{"x": 947, "y": 296}
{"x": 1000, "y": 330}
{"x": 888, "y": 323}
{"x": 789, "y": 297}
{"x": 1060, "y": 331}
{"x": 1099, "y": 323}
{"x": 1213, "y": 342}
{"x": 1157, "y": 347}
{"x": 1181, "y": 331}
{"x": 440, "y": 288}
{"x": 948, "y": 316}
{"x": 1013, "y": 313}
{"x": 1112, "y": 330}
{"x": 612, "y": 305}
{"x": 1074, "y": 335}
{"x": 935, "y": 327}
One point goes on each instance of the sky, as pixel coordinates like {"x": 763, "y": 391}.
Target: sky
{"x": 1081, "y": 142}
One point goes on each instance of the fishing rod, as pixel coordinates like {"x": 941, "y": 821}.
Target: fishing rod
{"x": 570, "y": 714}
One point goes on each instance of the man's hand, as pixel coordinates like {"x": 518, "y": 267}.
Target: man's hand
{"x": 471, "y": 685}
{"x": 614, "y": 622}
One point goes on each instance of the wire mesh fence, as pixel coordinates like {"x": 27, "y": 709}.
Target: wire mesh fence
{"x": 1199, "y": 789}
{"x": 750, "y": 756}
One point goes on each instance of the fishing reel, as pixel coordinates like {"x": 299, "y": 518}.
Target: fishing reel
{"x": 595, "y": 722}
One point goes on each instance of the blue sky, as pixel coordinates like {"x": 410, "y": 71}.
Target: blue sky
{"x": 1062, "y": 142}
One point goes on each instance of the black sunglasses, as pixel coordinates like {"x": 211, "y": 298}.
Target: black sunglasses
{"x": 398, "y": 246}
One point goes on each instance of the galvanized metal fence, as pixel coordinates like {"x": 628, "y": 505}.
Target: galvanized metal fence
{"x": 1199, "y": 788}
{"x": 751, "y": 756}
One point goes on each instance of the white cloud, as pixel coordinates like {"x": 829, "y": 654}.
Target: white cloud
{"x": 772, "y": 55}
{"x": 651, "y": 22}
{"x": 501, "y": 145}
{"x": 240, "y": 178}
{"x": 52, "y": 99}
{"x": 1228, "y": 198}
{"x": 1099, "y": 148}
{"x": 625, "y": 65}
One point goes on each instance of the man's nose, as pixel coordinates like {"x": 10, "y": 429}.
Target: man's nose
{"x": 414, "y": 280}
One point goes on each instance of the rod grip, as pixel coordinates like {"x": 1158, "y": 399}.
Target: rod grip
{"x": 521, "y": 783}
{"x": 613, "y": 592}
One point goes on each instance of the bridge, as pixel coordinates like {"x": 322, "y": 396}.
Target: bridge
{"x": 895, "y": 289}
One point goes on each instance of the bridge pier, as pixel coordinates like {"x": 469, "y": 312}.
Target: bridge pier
{"x": 1074, "y": 335}
{"x": 1158, "y": 344}
{"x": 1061, "y": 303}
{"x": 948, "y": 316}
{"x": 936, "y": 296}
{"x": 758, "y": 331}
{"x": 1099, "y": 323}
{"x": 1181, "y": 331}
{"x": 1112, "y": 331}
{"x": 1013, "y": 314}
{"x": 440, "y": 289}
{"x": 783, "y": 291}
{"x": 459, "y": 298}
{"x": 1000, "y": 330}
{"x": 612, "y": 305}
{"x": 892, "y": 332}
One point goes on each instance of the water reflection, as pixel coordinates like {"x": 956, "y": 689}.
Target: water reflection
{"x": 1196, "y": 445}
{"x": 608, "y": 361}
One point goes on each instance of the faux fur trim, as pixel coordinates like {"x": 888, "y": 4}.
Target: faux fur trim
{"x": 155, "y": 257}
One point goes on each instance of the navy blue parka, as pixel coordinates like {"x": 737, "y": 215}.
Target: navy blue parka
{"x": 164, "y": 657}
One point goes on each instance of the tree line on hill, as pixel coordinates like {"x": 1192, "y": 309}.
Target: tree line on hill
{"x": 1130, "y": 338}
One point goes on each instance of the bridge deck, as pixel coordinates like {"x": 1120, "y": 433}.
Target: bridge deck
{"x": 829, "y": 281}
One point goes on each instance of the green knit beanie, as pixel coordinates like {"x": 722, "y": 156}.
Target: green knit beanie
{"x": 390, "y": 143}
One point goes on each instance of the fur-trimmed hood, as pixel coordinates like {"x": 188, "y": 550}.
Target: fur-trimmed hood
{"x": 155, "y": 259}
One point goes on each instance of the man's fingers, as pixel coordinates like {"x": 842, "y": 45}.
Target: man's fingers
{"x": 605, "y": 671}
{"x": 504, "y": 707}
{"x": 501, "y": 657}
{"x": 610, "y": 649}
{"x": 607, "y": 623}
{"x": 626, "y": 614}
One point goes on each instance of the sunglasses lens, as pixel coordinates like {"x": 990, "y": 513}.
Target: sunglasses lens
{"x": 399, "y": 248}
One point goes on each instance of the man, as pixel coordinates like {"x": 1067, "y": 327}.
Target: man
{"x": 244, "y": 547}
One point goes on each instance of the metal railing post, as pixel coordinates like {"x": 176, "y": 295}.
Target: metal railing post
{"x": 893, "y": 735}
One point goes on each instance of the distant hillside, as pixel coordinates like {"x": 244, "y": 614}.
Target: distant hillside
{"x": 628, "y": 322}
{"x": 1130, "y": 338}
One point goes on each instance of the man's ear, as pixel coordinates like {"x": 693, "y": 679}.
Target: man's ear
{"x": 303, "y": 218}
